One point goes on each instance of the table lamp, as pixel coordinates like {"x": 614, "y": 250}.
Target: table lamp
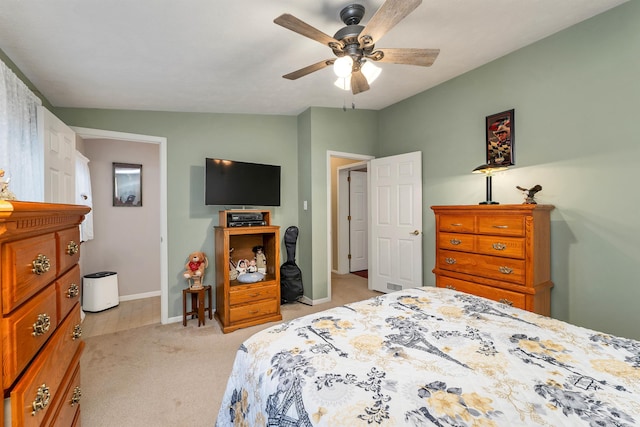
{"x": 488, "y": 169}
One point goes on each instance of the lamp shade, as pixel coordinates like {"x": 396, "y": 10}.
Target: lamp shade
{"x": 343, "y": 66}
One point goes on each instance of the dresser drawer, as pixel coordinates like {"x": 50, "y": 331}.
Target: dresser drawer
{"x": 253, "y": 311}
{"x": 503, "y": 225}
{"x": 25, "y": 331}
{"x": 503, "y": 269}
{"x": 67, "y": 248}
{"x": 501, "y": 295}
{"x": 67, "y": 406}
{"x": 512, "y": 247}
{"x": 253, "y": 294}
{"x": 27, "y": 266}
{"x": 456, "y": 242}
{"x": 68, "y": 291}
{"x": 43, "y": 379}
{"x": 457, "y": 223}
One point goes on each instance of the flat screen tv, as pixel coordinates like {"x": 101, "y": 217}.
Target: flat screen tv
{"x": 232, "y": 183}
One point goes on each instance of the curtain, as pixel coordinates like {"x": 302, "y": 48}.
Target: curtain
{"x": 21, "y": 153}
{"x": 83, "y": 195}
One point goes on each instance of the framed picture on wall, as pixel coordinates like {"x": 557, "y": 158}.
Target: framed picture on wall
{"x": 127, "y": 185}
{"x": 500, "y": 138}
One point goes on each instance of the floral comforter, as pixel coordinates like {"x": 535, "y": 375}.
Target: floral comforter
{"x": 432, "y": 357}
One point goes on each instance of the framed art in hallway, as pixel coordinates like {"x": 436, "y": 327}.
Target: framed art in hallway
{"x": 127, "y": 184}
{"x": 500, "y": 135}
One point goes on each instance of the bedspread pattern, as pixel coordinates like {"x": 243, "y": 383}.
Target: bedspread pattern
{"x": 432, "y": 357}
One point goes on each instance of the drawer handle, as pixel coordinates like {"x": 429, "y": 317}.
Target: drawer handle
{"x": 455, "y": 241}
{"x": 500, "y": 226}
{"x": 499, "y": 246}
{"x": 41, "y": 264}
{"x": 457, "y": 224}
{"x": 72, "y": 248}
{"x": 73, "y": 291}
{"x": 77, "y": 332}
{"x": 42, "y": 325}
{"x": 75, "y": 397}
{"x": 505, "y": 270}
{"x": 43, "y": 396}
{"x": 254, "y": 295}
{"x": 506, "y": 301}
{"x": 450, "y": 261}
{"x": 254, "y": 312}
{"x": 450, "y": 287}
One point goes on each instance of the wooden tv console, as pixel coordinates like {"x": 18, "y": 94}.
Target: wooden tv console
{"x": 239, "y": 305}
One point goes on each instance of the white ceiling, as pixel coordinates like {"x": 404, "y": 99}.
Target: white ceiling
{"x": 229, "y": 56}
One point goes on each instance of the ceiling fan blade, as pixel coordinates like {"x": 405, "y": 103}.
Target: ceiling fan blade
{"x": 358, "y": 82}
{"x": 294, "y": 24}
{"x": 309, "y": 69}
{"x": 409, "y": 56}
{"x": 390, "y": 13}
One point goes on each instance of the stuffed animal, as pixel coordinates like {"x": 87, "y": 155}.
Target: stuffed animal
{"x": 195, "y": 269}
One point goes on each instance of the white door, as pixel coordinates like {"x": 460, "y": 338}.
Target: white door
{"x": 358, "y": 225}
{"x": 59, "y": 143}
{"x": 395, "y": 261}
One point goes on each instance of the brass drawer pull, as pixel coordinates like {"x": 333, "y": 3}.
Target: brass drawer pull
{"x": 42, "y": 325}
{"x": 72, "y": 248}
{"x": 450, "y": 287}
{"x": 43, "y": 396}
{"x": 455, "y": 241}
{"x": 456, "y": 225}
{"x": 77, "y": 332}
{"x": 73, "y": 291}
{"x": 75, "y": 398}
{"x": 500, "y": 226}
{"x": 499, "y": 246}
{"x": 506, "y": 301}
{"x": 254, "y": 295}
{"x": 41, "y": 264}
{"x": 505, "y": 270}
{"x": 450, "y": 261}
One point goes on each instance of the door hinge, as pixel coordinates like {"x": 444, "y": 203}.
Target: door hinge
{"x": 348, "y": 217}
{"x": 349, "y": 256}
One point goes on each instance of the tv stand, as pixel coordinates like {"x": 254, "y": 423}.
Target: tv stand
{"x": 239, "y": 305}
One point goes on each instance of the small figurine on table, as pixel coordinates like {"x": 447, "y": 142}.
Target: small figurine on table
{"x": 242, "y": 266}
{"x": 261, "y": 259}
{"x": 531, "y": 192}
{"x": 5, "y": 193}
{"x": 195, "y": 268}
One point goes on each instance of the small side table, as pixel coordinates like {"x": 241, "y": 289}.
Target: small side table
{"x": 197, "y": 304}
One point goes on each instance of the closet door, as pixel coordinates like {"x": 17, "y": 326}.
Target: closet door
{"x": 59, "y": 143}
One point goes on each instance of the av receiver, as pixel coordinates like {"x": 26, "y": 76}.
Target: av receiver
{"x": 245, "y": 219}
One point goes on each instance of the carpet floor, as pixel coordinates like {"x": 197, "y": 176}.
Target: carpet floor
{"x": 171, "y": 375}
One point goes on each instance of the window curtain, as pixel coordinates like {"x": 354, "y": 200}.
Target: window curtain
{"x": 21, "y": 153}
{"x": 83, "y": 195}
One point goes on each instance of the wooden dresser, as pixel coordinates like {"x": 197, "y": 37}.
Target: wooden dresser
{"x": 500, "y": 252}
{"x": 41, "y": 345}
{"x": 239, "y": 305}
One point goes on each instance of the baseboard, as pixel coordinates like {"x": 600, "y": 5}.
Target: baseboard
{"x": 139, "y": 296}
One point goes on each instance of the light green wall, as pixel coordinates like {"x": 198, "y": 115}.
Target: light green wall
{"x": 191, "y": 138}
{"x": 351, "y": 131}
{"x": 576, "y": 96}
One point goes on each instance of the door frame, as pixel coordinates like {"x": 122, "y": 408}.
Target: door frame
{"x": 344, "y": 155}
{"x": 343, "y": 210}
{"x": 88, "y": 133}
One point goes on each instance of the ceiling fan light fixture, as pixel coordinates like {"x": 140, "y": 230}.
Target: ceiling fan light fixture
{"x": 343, "y": 83}
{"x": 342, "y": 66}
{"x": 370, "y": 71}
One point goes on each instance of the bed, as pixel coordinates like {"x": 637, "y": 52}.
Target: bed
{"x": 432, "y": 357}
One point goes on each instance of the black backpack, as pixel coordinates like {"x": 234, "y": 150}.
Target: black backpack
{"x": 291, "y": 289}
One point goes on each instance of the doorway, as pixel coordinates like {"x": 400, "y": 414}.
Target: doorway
{"x": 87, "y": 133}
{"x": 338, "y": 229}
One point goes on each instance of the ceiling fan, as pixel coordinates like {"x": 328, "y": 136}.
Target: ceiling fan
{"x": 356, "y": 43}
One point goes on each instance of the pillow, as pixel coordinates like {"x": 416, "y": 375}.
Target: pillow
{"x": 250, "y": 277}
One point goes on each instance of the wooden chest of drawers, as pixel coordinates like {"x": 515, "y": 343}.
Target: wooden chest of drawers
{"x": 501, "y": 252}
{"x": 40, "y": 323}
